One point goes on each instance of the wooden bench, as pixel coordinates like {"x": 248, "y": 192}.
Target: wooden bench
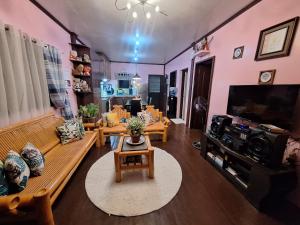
{"x": 160, "y": 127}
{"x": 34, "y": 203}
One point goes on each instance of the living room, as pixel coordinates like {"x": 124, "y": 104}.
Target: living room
{"x": 149, "y": 112}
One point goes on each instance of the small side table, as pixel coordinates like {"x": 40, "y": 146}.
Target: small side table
{"x": 124, "y": 150}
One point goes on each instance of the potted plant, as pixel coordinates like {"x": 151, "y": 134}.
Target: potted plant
{"x": 135, "y": 128}
{"x": 89, "y": 112}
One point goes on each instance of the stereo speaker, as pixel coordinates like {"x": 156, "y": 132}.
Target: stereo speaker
{"x": 267, "y": 147}
{"x": 218, "y": 124}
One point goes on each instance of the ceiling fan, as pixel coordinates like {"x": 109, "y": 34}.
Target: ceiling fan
{"x": 145, "y": 6}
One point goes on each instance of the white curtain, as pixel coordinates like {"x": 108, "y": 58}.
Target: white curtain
{"x": 23, "y": 86}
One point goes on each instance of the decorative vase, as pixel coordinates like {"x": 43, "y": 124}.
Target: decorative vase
{"x": 135, "y": 139}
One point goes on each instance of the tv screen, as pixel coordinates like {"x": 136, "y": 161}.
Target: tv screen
{"x": 124, "y": 83}
{"x": 269, "y": 104}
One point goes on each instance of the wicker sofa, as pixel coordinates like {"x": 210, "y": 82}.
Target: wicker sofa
{"x": 160, "y": 127}
{"x": 34, "y": 203}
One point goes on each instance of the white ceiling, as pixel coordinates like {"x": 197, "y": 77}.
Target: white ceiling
{"x": 101, "y": 25}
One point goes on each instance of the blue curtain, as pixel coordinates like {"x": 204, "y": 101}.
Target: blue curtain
{"x": 56, "y": 83}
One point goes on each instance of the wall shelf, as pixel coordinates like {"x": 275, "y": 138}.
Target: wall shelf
{"x": 80, "y": 62}
{"x": 201, "y": 53}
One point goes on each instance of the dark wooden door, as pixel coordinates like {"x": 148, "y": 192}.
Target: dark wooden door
{"x": 202, "y": 82}
{"x": 157, "y": 91}
{"x": 182, "y": 95}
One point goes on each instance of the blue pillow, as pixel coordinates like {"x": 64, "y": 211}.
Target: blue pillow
{"x": 16, "y": 171}
{"x": 3, "y": 182}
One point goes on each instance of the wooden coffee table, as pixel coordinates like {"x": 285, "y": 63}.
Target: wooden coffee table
{"x": 143, "y": 152}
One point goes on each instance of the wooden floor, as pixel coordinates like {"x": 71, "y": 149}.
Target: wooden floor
{"x": 205, "y": 197}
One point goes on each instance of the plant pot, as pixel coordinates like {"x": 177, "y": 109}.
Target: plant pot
{"x": 89, "y": 120}
{"x": 135, "y": 139}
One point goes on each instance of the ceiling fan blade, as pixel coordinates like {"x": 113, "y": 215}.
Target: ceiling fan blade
{"x": 162, "y": 12}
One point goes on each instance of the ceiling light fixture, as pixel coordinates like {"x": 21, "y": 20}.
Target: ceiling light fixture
{"x": 134, "y": 14}
{"x": 136, "y": 77}
{"x": 148, "y": 15}
{"x": 144, "y": 4}
{"x": 157, "y": 8}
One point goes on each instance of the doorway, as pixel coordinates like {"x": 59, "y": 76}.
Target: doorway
{"x": 173, "y": 79}
{"x": 201, "y": 93}
{"x": 183, "y": 93}
{"x": 157, "y": 91}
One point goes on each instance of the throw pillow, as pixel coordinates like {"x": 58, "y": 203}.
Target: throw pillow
{"x": 112, "y": 119}
{"x": 34, "y": 159}
{"x": 104, "y": 119}
{"x": 80, "y": 125}
{"x": 70, "y": 131}
{"x": 17, "y": 171}
{"x": 3, "y": 182}
{"x": 145, "y": 117}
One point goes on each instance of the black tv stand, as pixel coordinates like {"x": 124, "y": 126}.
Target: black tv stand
{"x": 260, "y": 185}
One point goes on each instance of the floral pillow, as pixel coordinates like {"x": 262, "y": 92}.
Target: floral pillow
{"x": 3, "y": 182}
{"x": 145, "y": 117}
{"x": 16, "y": 171}
{"x": 34, "y": 159}
{"x": 71, "y": 130}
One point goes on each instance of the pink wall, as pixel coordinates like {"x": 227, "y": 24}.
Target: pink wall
{"x": 244, "y": 30}
{"x": 25, "y": 16}
{"x": 178, "y": 64}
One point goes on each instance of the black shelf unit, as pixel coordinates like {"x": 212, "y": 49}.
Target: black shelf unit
{"x": 262, "y": 186}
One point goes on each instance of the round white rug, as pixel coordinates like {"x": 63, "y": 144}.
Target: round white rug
{"x": 136, "y": 194}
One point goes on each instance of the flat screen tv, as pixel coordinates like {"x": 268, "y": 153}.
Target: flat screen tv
{"x": 270, "y": 104}
{"x": 124, "y": 83}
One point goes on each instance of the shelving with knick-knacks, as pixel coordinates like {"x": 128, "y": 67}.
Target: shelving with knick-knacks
{"x": 82, "y": 73}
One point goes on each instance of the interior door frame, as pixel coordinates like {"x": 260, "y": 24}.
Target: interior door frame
{"x": 191, "y": 88}
{"x": 184, "y": 74}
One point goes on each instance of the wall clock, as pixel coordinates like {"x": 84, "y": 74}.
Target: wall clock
{"x": 266, "y": 77}
{"x": 238, "y": 52}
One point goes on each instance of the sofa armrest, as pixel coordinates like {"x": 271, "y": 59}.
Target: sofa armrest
{"x": 166, "y": 121}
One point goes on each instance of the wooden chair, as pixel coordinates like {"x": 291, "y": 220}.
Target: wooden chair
{"x": 159, "y": 127}
{"x": 61, "y": 161}
{"x": 116, "y": 130}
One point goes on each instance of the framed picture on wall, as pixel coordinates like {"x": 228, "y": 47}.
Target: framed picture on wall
{"x": 266, "y": 77}
{"x": 238, "y": 52}
{"x": 276, "y": 41}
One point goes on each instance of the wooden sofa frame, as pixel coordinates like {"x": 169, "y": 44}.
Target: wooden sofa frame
{"x": 61, "y": 161}
{"x": 160, "y": 127}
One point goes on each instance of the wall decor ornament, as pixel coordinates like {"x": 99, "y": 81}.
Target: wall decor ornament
{"x": 238, "y": 52}
{"x": 266, "y": 77}
{"x": 276, "y": 41}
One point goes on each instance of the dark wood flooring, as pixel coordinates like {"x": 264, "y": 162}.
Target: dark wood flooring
{"x": 205, "y": 196}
